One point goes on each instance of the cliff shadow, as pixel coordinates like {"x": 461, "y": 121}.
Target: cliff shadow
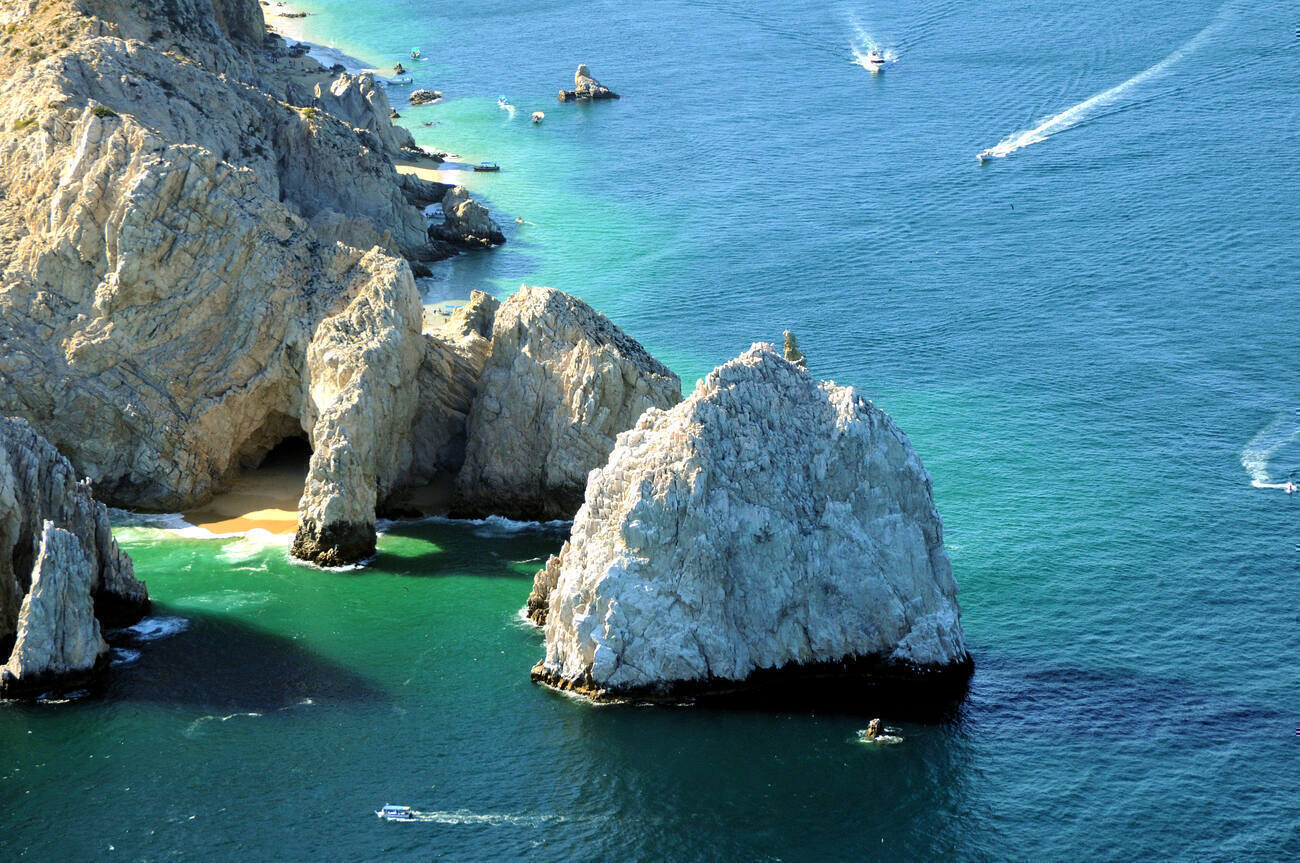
{"x": 215, "y": 664}
{"x": 489, "y": 548}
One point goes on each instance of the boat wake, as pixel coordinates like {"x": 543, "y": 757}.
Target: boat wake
{"x": 1089, "y": 107}
{"x": 1258, "y": 456}
{"x": 865, "y": 45}
{"x": 464, "y": 816}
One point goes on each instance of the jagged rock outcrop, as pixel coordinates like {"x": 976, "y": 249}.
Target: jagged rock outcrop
{"x": 424, "y": 97}
{"x": 359, "y": 405}
{"x": 185, "y": 206}
{"x": 561, "y": 383}
{"x": 357, "y": 100}
{"x": 53, "y": 533}
{"x": 768, "y": 529}
{"x": 586, "y": 87}
{"x": 466, "y": 222}
{"x": 59, "y": 640}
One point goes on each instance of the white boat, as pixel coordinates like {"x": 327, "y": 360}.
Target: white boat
{"x": 874, "y": 58}
{"x": 396, "y": 813}
{"x": 985, "y": 155}
{"x": 415, "y": 53}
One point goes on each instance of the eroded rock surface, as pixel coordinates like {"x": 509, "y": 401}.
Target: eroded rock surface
{"x": 769, "y": 527}
{"x": 187, "y": 207}
{"x": 586, "y": 87}
{"x": 467, "y": 222}
{"x": 562, "y": 381}
{"x": 51, "y": 528}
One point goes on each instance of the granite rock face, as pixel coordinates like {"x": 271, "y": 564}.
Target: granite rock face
{"x": 768, "y": 527}
{"x": 359, "y": 405}
{"x": 43, "y": 507}
{"x": 586, "y": 87}
{"x": 59, "y": 640}
{"x": 467, "y": 222}
{"x": 187, "y": 209}
{"x": 561, "y": 383}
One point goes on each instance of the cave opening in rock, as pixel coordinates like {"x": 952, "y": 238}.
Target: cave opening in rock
{"x": 264, "y": 494}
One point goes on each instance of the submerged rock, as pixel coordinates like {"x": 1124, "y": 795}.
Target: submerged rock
{"x": 770, "y": 531}
{"x": 561, "y": 383}
{"x": 586, "y": 87}
{"x": 53, "y": 533}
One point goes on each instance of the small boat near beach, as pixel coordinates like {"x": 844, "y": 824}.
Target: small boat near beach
{"x": 396, "y": 813}
{"x": 483, "y": 167}
{"x": 407, "y": 80}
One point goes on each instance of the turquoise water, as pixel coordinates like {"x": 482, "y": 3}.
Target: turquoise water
{"x": 1093, "y": 342}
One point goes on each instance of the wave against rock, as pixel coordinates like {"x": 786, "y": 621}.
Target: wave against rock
{"x": 60, "y": 567}
{"x": 769, "y": 529}
{"x": 562, "y": 381}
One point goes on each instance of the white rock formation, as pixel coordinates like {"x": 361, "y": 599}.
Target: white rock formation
{"x": 189, "y": 215}
{"x": 58, "y": 636}
{"x": 561, "y": 383}
{"x": 43, "y": 506}
{"x": 359, "y": 405}
{"x": 586, "y": 87}
{"x": 768, "y": 524}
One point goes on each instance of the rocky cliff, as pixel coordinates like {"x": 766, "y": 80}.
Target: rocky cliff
{"x": 60, "y": 567}
{"x": 562, "y": 381}
{"x": 770, "y": 528}
{"x": 190, "y": 216}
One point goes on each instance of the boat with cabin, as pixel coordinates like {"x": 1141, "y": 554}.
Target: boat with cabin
{"x": 487, "y": 166}
{"x": 396, "y": 813}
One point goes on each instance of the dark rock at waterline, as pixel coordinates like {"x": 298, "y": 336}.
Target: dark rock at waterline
{"x": 861, "y": 685}
{"x": 424, "y": 97}
{"x": 586, "y": 87}
{"x": 338, "y": 544}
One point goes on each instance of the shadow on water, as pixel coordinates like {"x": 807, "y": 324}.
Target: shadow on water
{"x": 1032, "y": 699}
{"x": 219, "y": 664}
{"x": 449, "y": 547}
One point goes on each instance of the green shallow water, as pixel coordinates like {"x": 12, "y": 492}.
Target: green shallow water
{"x": 1093, "y": 343}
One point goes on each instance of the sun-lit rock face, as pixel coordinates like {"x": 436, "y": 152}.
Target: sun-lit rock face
{"x": 60, "y": 568}
{"x": 561, "y": 383}
{"x": 768, "y": 524}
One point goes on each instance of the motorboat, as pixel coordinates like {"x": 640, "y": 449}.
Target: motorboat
{"x": 396, "y": 813}
{"x": 874, "y": 59}
{"x": 985, "y": 155}
{"x": 539, "y": 116}
{"x": 487, "y": 166}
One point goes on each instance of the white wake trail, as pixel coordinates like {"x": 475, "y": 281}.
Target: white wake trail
{"x": 1255, "y": 456}
{"x": 1076, "y": 114}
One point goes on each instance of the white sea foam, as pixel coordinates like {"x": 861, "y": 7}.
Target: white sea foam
{"x": 1076, "y": 114}
{"x": 123, "y": 656}
{"x": 195, "y": 726}
{"x": 155, "y": 628}
{"x": 1257, "y": 455}
{"x": 465, "y": 816}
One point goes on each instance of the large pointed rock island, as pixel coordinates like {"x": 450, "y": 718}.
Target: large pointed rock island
{"x": 770, "y": 534}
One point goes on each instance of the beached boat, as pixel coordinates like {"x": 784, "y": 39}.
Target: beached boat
{"x": 487, "y": 166}
{"x": 396, "y": 813}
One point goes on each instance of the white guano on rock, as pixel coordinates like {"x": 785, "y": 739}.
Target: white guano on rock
{"x": 768, "y": 525}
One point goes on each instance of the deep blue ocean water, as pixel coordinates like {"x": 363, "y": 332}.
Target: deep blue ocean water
{"x": 1093, "y": 342}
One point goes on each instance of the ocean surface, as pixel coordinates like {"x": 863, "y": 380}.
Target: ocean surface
{"x": 1093, "y": 340}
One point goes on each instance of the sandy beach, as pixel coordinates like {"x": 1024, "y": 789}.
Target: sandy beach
{"x": 265, "y": 498}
